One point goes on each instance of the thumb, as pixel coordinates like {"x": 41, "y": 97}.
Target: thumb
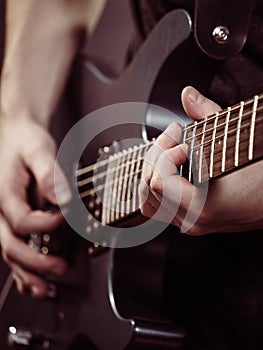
{"x": 43, "y": 168}
{"x": 196, "y": 105}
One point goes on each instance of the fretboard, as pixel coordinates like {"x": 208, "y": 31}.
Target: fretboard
{"x": 226, "y": 141}
{"x": 218, "y": 144}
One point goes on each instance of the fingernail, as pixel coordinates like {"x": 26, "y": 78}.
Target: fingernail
{"x": 194, "y": 96}
{"x": 59, "y": 270}
{"x": 35, "y": 291}
{"x": 63, "y": 194}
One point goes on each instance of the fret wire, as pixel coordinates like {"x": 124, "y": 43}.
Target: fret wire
{"x": 120, "y": 185}
{"x": 184, "y": 138}
{"x": 113, "y": 196}
{"x": 109, "y": 206}
{"x": 252, "y": 129}
{"x": 191, "y": 153}
{"x": 238, "y": 132}
{"x": 225, "y": 140}
{"x": 135, "y": 179}
{"x": 201, "y": 154}
{"x": 130, "y": 177}
{"x": 213, "y": 148}
{"x": 124, "y": 196}
{"x": 105, "y": 206}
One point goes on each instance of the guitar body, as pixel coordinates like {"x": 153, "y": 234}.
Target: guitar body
{"x": 114, "y": 298}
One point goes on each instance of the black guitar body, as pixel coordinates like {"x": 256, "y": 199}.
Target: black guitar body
{"x": 113, "y": 299}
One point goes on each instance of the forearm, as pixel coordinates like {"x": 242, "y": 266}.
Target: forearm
{"x": 41, "y": 42}
{"x": 238, "y": 199}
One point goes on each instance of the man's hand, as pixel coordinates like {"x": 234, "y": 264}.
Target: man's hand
{"x": 231, "y": 203}
{"x": 27, "y": 152}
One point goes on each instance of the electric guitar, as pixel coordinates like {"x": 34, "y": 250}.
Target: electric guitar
{"x": 115, "y": 298}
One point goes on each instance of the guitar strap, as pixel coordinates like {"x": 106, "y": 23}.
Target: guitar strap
{"x": 221, "y": 26}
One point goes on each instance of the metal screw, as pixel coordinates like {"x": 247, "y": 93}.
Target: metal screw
{"x": 221, "y": 34}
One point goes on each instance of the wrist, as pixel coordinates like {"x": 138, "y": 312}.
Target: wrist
{"x": 17, "y": 108}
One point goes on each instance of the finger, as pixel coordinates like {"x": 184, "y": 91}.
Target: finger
{"x": 18, "y": 252}
{"x": 28, "y": 282}
{"x": 170, "y": 137}
{"x": 15, "y": 206}
{"x": 196, "y": 105}
{"x": 19, "y": 283}
{"x": 23, "y": 219}
{"x": 167, "y": 165}
{"x": 42, "y": 165}
{"x": 148, "y": 203}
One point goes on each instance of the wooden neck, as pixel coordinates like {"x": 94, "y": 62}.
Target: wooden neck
{"x": 226, "y": 141}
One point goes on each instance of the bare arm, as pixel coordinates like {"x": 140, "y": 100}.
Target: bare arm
{"x": 42, "y": 40}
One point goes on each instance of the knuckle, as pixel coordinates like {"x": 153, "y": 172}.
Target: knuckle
{"x": 47, "y": 178}
{"x": 6, "y": 256}
{"x": 195, "y": 230}
{"x": 156, "y": 183}
{"x": 145, "y": 211}
{"x": 18, "y": 225}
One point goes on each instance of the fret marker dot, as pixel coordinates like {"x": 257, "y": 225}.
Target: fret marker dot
{"x": 95, "y": 224}
{"x": 91, "y": 204}
{"x": 88, "y": 230}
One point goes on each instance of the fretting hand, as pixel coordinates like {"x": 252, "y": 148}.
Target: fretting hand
{"x": 231, "y": 203}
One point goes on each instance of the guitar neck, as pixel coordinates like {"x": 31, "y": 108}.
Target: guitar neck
{"x": 218, "y": 144}
{"x": 225, "y": 141}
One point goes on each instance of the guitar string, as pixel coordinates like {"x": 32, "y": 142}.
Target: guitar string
{"x": 107, "y": 161}
{"x": 244, "y": 126}
{"x": 224, "y": 112}
{"x": 129, "y": 162}
{"x": 249, "y": 114}
{"x": 102, "y": 163}
{"x": 94, "y": 178}
{"x": 92, "y": 191}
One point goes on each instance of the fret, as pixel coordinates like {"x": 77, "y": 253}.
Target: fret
{"x": 223, "y": 168}
{"x": 134, "y": 157}
{"x": 213, "y": 146}
{"x": 135, "y": 178}
{"x": 192, "y": 151}
{"x": 238, "y": 133}
{"x": 120, "y": 179}
{"x": 200, "y": 170}
{"x": 114, "y": 199}
{"x": 124, "y": 197}
{"x": 252, "y": 128}
{"x": 184, "y": 139}
{"x": 107, "y": 194}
